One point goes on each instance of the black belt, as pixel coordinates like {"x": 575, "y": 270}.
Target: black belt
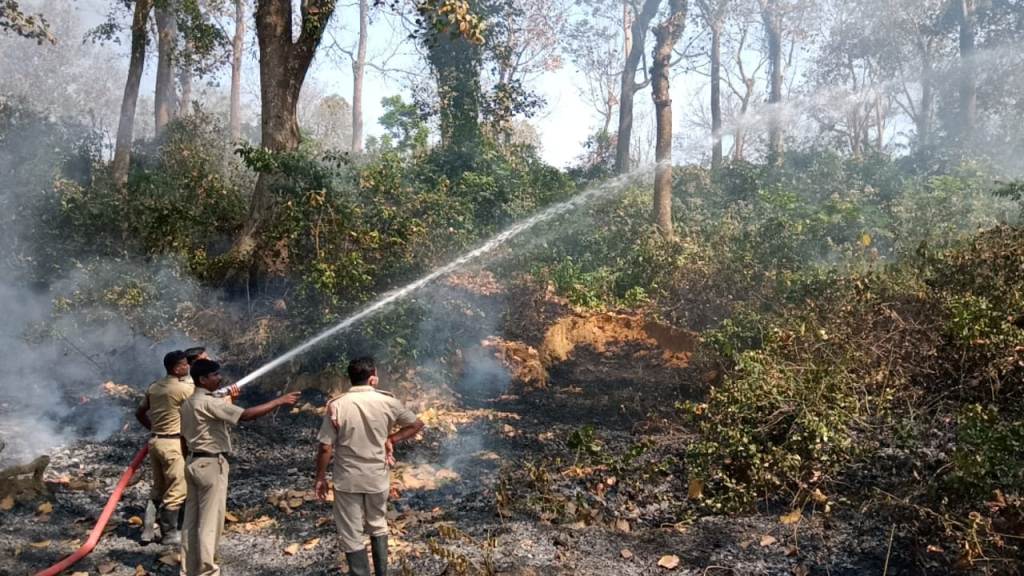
{"x": 208, "y": 454}
{"x": 167, "y": 435}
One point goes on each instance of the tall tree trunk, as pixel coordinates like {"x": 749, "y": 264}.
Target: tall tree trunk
{"x": 969, "y": 86}
{"x": 666, "y": 35}
{"x": 237, "y": 47}
{"x": 164, "y": 99}
{"x": 740, "y": 134}
{"x": 629, "y": 86}
{"x": 924, "y": 115}
{"x": 716, "y": 95}
{"x": 855, "y": 137}
{"x": 126, "y": 123}
{"x": 456, "y": 62}
{"x": 358, "y": 69}
{"x": 879, "y": 125}
{"x": 773, "y": 30}
{"x": 283, "y": 67}
{"x": 185, "y": 81}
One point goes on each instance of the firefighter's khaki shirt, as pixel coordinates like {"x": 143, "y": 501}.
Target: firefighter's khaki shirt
{"x": 357, "y": 425}
{"x": 165, "y": 399}
{"x": 206, "y": 422}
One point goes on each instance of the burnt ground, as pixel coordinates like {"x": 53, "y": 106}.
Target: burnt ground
{"x": 584, "y": 477}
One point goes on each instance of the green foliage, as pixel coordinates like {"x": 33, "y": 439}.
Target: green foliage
{"x": 626, "y": 263}
{"x": 584, "y": 440}
{"x": 406, "y": 130}
{"x": 989, "y": 452}
{"x": 1013, "y": 191}
{"x": 743, "y": 332}
{"x": 345, "y": 232}
{"x": 773, "y": 428}
{"x": 104, "y": 291}
{"x": 184, "y": 198}
{"x": 973, "y": 320}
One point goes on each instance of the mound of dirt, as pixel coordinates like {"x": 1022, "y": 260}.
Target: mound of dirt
{"x": 609, "y": 331}
{"x": 607, "y": 335}
{"x": 522, "y": 361}
{"x": 529, "y": 307}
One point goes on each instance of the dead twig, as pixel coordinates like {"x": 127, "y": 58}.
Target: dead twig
{"x": 888, "y": 552}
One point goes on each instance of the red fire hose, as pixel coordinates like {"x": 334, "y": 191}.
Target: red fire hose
{"x": 101, "y": 523}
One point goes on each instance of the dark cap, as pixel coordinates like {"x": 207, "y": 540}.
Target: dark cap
{"x": 193, "y": 353}
{"x": 203, "y": 367}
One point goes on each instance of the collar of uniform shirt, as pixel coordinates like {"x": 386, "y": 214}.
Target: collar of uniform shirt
{"x": 201, "y": 390}
{"x": 363, "y": 388}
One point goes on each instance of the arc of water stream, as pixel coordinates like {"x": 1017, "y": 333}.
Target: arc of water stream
{"x": 600, "y": 191}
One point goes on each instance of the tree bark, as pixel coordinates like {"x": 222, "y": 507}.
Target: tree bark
{"x": 666, "y": 35}
{"x": 629, "y": 86}
{"x": 773, "y": 31}
{"x": 283, "y": 68}
{"x": 879, "y": 125}
{"x": 358, "y": 70}
{"x": 237, "y": 47}
{"x": 185, "y": 82}
{"x": 126, "y": 123}
{"x": 164, "y": 99}
{"x": 456, "y": 63}
{"x": 969, "y": 87}
{"x": 924, "y": 116}
{"x": 716, "y": 95}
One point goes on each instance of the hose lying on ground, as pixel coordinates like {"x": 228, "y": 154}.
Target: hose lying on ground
{"x": 101, "y": 522}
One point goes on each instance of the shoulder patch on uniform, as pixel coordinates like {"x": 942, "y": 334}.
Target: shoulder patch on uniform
{"x": 384, "y": 392}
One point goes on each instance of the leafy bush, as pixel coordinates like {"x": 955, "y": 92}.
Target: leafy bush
{"x": 184, "y": 199}
{"x": 989, "y": 452}
{"x": 774, "y": 427}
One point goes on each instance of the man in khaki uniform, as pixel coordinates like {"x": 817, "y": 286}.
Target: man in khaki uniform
{"x": 205, "y": 424}
{"x": 356, "y": 429}
{"x": 159, "y": 414}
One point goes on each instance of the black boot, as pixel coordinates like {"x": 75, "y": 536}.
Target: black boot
{"x": 148, "y": 523}
{"x": 358, "y": 563}
{"x": 379, "y": 548}
{"x": 169, "y": 527}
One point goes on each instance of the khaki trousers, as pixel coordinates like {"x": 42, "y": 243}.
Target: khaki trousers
{"x": 168, "y": 463}
{"x": 358, "y": 516}
{"x": 204, "y": 514}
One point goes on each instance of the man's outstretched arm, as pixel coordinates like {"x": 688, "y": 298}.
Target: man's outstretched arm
{"x": 265, "y": 408}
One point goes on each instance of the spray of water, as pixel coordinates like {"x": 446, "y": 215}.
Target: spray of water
{"x": 838, "y": 100}
{"x": 832, "y": 100}
{"x": 604, "y": 190}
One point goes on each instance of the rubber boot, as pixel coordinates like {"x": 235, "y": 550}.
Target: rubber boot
{"x": 148, "y": 523}
{"x": 379, "y": 549}
{"x": 169, "y": 527}
{"x": 358, "y": 563}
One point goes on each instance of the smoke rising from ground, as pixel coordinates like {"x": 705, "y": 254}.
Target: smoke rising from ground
{"x": 55, "y": 366}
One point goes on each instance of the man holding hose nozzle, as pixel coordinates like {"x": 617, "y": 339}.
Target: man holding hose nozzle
{"x": 205, "y": 424}
{"x": 356, "y": 430}
{"x": 159, "y": 414}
